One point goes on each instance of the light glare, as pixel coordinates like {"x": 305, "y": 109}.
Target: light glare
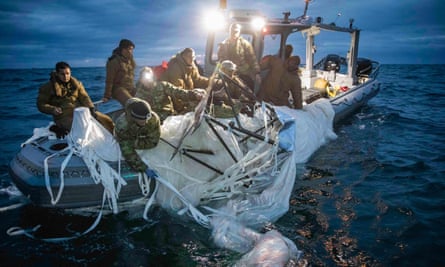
{"x": 214, "y": 20}
{"x": 258, "y": 23}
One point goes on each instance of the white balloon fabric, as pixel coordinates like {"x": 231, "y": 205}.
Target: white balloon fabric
{"x": 231, "y": 184}
{"x": 255, "y": 181}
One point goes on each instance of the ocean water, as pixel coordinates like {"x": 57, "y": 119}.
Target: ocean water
{"x": 373, "y": 197}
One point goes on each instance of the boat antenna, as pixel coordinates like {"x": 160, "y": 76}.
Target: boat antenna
{"x": 338, "y": 15}
{"x": 305, "y": 7}
{"x": 222, "y": 4}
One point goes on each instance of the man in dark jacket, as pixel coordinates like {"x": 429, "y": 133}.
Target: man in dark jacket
{"x": 119, "y": 82}
{"x": 61, "y": 95}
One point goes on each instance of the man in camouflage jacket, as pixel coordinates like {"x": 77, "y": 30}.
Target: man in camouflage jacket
{"x": 164, "y": 97}
{"x": 229, "y": 94}
{"x": 137, "y": 128}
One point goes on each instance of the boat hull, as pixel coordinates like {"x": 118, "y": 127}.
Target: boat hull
{"x": 79, "y": 189}
{"x": 350, "y": 101}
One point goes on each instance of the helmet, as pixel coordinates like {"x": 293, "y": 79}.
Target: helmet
{"x": 227, "y": 67}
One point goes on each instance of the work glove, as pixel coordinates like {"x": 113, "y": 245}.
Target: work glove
{"x": 199, "y": 93}
{"x": 59, "y": 131}
{"x": 151, "y": 173}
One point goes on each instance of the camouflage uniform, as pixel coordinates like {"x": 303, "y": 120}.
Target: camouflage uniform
{"x": 131, "y": 136}
{"x": 164, "y": 97}
{"x": 182, "y": 75}
{"x": 219, "y": 93}
{"x": 221, "y": 104}
{"x": 67, "y": 96}
{"x": 119, "y": 82}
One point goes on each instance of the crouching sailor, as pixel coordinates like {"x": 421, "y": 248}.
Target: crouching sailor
{"x": 137, "y": 128}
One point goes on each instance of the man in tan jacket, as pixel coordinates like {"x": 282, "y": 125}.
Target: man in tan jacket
{"x": 61, "y": 95}
{"x": 282, "y": 78}
{"x": 119, "y": 82}
{"x": 182, "y": 71}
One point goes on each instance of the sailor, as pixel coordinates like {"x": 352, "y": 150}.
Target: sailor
{"x": 137, "y": 128}
{"x": 288, "y": 49}
{"x": 61, "y": 95}
{"x": 183, "y": 72}
{"x": 282, "y": 78}
{"x": 119, "y": 81}
{"x": 229, "y": 93}
{"x": 240, "y": 51}
{"x": 163, "y": 96}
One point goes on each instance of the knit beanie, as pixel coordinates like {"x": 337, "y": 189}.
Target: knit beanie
{"x": 125, "y": 43}
{"x": 140, "y": 110}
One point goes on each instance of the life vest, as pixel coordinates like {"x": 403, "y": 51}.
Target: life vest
{"x": 159, "y": 69}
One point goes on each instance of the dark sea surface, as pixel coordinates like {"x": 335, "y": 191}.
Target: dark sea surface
{"x": 375, "y": 196}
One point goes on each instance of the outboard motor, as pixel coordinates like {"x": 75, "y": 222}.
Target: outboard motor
{"x": 332, "y": 62}
{"x": 364, "y": 66}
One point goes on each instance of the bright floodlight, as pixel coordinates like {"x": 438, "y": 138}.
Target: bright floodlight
{"x": 258, "y": 23}
{"x": 214, "y": 20}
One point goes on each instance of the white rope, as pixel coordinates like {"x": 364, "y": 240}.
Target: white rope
{"x": 105, "y": 175}
{"x": 16, "y": 231}
{"x": 233, "y": 180}
{"x": 196, "y": 214}
{"x": 11, "y": 207}
{"x": 150, "y": 202}
{"x": 263, "y": 109}
{"x": 41, "y": 132}
{"x": 144, "y": 183}
{"x": 100, "y": 170}
{"x": 62, "y": 168}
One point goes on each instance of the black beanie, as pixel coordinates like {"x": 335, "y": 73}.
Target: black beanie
{"x": 125, "y": 43}
{"x": 140, "y": 110}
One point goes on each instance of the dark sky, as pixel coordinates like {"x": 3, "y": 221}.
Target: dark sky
{"x": 37, "y": 33}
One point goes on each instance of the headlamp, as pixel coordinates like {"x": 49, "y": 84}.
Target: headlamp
{"x": 148, "y": 76}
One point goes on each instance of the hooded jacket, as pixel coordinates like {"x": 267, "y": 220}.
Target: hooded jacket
{"x": 120, "y": 74}
{"x": 182, "y": 75}
{"x": 278, "y": 82}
